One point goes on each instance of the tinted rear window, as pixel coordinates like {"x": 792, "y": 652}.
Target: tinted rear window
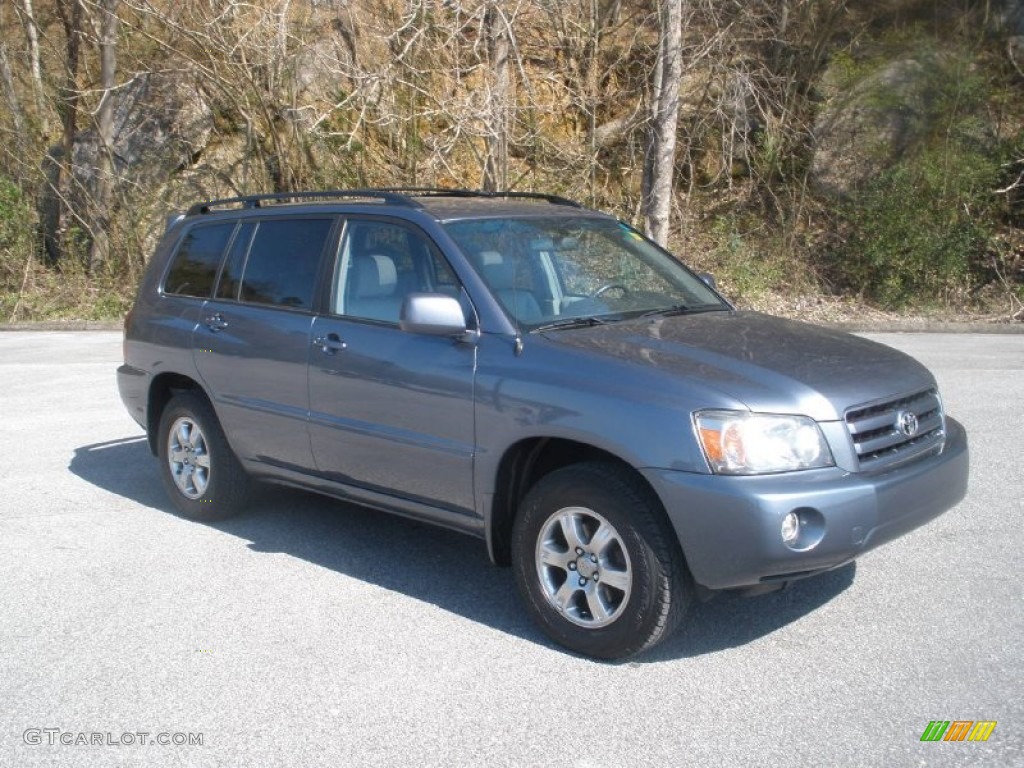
{"x": 195, "y": 265}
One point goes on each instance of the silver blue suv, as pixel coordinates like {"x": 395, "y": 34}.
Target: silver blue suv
{"x": 538, "y": 375}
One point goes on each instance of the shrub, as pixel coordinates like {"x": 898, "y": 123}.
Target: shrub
{"x": 918, "y": 232}
{"x": 16, "y": 243}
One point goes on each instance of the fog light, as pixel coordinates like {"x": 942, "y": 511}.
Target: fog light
{"x": 790, "y": 528}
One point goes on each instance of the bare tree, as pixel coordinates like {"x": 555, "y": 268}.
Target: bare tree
{"x": 103, "y": 199}
{"x": 659, "y": 167}
{"x": 11, "y": 93}
{"x": 35, "y": 59}
{"x": 497, "y": 32}
{"x": 71, "y": 14}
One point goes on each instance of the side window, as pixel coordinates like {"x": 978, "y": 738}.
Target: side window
{"x": 194, "y": 268}
{"x": 283, "y": 262}
{"x": 381, "y": 263}
{"x": 443, "y": 278}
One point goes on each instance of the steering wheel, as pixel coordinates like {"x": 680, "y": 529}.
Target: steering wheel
{"x": 608, "y": 287}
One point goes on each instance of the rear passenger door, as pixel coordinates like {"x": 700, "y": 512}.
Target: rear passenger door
{"x": 390, "y": 411}
{"x": 251, "y": 345}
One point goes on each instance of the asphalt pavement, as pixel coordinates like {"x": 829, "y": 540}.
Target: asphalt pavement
{"x": 309, "y": 632}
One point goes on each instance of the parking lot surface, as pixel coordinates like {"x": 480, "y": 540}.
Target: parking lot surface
{"x": 309, "y": 632}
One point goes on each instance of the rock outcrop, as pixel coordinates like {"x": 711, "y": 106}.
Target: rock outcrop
{"x": 868, "y": 127}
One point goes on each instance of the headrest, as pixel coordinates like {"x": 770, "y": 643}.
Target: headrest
{"x": 497, "y": 271}
{"x": 375, "y": 275}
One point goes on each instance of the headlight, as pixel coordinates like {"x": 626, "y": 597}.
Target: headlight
{"x": 743, "y": 443}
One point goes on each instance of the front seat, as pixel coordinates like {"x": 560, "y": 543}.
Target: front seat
{"x": 500, "y": 274}
{"x": 373, "y": 294}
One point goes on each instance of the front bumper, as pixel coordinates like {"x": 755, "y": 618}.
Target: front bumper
{"x": 729, "y": 527}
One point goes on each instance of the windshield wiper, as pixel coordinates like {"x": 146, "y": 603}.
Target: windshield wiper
{"x": 675, "y": 309}
{"x": 586, "y": 321}
{"x": 681, "y": 309}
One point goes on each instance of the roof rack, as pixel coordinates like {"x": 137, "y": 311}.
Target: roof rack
{"x": 443, "y": 192}
{"x": 257, "y": 201}
{"x": 404, "y": 196}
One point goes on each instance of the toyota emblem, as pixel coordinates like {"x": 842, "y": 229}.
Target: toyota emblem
{"x": 906, "y": 422}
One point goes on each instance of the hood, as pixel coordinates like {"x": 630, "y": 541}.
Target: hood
{"x": 768, "y": 363}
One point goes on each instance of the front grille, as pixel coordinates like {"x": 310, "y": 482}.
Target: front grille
{"x": 879, "y": 439}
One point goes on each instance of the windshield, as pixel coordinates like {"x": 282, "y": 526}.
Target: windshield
{"x": 560, "y": 271}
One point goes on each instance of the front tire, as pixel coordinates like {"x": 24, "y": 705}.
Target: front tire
{"x": 597, "y": 563}
{"x": 200, "y": 472}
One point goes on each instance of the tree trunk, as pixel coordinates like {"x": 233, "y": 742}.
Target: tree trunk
{"x": 35, "y": 62}
{"x": 71, "y": 12}
{"x": 17, "y": 158}
{"x": 11, "y": 95}
{"x": 103, "y": 201}
{"x": 659, "y": 164}
{"x": 496, "y": 137}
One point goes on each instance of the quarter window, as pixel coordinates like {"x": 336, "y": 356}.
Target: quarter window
{"x": 231, "y": 277}
{"x": 195, "y": 265}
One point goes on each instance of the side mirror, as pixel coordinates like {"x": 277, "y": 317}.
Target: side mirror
{"x": 434, "y": 314}
{"x": 708, "y": 279}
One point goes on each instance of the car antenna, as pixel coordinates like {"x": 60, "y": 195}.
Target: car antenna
{"x": 518, "y": 345}
{"x": 517, "y": 342}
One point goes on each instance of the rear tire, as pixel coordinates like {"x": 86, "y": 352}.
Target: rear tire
{"x": 199, "y": 470}
{"x": 597, "y": 563}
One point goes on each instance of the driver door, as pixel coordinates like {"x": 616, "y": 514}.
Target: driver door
{"x": 391, "y": 411}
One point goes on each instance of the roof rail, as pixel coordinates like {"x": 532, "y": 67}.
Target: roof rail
{"x": 446, "y": 192}
{"x": 256, "y": 201}
{"x": 553, "y": 199}
{"x": 404, "y": 196}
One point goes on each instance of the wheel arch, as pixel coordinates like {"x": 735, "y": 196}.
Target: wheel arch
{"x": 163, "y": 387}
{"x": 522, "y": 465}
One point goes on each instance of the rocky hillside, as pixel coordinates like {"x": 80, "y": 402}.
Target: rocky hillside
{"x": 871, "y": 151}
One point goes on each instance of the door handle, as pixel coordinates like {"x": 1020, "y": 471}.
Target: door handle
{"x": 215, "y": 322}
{"x": 329, "y": 344}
